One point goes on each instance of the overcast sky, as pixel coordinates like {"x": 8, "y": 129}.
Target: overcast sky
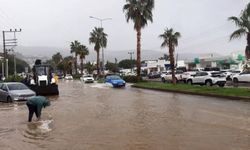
{"x": 55, "y": 23}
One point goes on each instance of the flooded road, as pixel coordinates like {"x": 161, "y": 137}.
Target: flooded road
{"x": 97, "y": 117}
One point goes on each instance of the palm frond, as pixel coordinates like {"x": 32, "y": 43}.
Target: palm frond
{"x": 170, "y": 38}
{"x": 238, "y": 33}
{"x": 138, "y": 11}
{"x": 237, "y": 21}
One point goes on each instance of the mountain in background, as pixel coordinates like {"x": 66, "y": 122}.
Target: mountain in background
{"x": 45, "y": 53}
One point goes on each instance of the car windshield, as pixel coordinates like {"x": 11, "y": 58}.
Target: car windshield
{"x": 87, "y": 76}
{"x": 114, "y": 77}
{"x": 42, "y": 70}
{"x": 216, "y": 74}
{"x": 17, "y": 87}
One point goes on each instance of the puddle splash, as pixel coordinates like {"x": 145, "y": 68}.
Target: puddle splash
{"x": 38, "y": 130}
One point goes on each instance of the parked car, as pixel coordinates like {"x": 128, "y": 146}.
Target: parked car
{"x": 115, "y": 81}
{"x": 230, "y": 73}
{"x": 68, "y": 77}
{"x": 207, "y": 78}
{"x": 168, "y": 77}
{"x": 243, "y": 77}
{"x": 187, "y": 75}
{"x": 154, "y": 75}
{"x": 14, "y": 91}
{"x": 87, "y": 79}
{"x": 211, "y": 69}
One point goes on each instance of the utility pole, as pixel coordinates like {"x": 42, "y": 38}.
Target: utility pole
{"x": 101, "y": 20}
{"x": 8, "y": 43}
{"x": 131, "y": 56}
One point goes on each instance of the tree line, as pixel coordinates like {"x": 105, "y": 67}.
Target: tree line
{"x": 140, "y": 12}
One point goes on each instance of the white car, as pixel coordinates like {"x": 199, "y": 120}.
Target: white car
{"x": 87, "y": 79}
{"x": 230, "y": 73}
{"x": 187, "y": 75}
{"x": 243, "y": 77}
{"x": 168, "y": 77}
{"x": 68, "y": 77}
{"x": 207, "y": 78}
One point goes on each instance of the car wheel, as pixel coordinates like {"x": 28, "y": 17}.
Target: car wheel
{"x": 163, "y": 80}
{"x": 189, "y": 82}
{"x": 208, "y": 83}
{"x": 235, "y": 82}
{"x": 9, "y": 100}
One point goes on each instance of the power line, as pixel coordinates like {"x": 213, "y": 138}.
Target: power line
{"x": 8, "y": 43}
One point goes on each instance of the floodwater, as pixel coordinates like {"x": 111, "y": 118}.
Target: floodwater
{"x": 97, "y": 117}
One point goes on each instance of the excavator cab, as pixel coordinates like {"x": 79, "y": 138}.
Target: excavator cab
{"x": 44, "y": 83}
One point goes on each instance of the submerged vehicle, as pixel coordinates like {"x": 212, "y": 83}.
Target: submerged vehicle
{"x": 43, "y": 82}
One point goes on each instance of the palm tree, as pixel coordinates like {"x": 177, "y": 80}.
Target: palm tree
{"x": 139, "y": 11}
{"x": 57, "y": 58}
{"x": 66, "y": 65}
{"x": 99, "y": 38}
{"x": 243, "y": 22}
{"x": 74, "y": 46}
{"x": 83, "y": 51}
{"x": 170, "y": 40}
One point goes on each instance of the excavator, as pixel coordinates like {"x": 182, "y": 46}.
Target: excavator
{"x": 43, "y": 82}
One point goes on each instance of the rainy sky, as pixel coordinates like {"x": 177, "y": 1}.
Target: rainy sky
{"x": 55, "y": 23}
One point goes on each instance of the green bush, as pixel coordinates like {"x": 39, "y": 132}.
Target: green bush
{"x": 13, "y": 79}
{"x": 102, "y": 80}
{"x": 132, "y": 79}
{"x": 77, "y": 76}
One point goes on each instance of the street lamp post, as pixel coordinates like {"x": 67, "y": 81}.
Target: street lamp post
{"x": 131, "y": 56}
{"x": 101, "y": 20}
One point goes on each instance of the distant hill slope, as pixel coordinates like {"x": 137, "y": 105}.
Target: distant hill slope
{"x": 47, "y": 52}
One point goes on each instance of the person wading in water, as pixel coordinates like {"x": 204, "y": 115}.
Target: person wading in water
{"x": 35, "y": 105}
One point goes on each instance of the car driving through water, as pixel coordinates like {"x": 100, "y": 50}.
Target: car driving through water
{"x": 115, "y": 81}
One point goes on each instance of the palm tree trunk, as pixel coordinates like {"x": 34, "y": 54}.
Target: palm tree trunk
{"x": 81, "y": 66}
{"x": 138, "y": 53}
{"x": 98, "y": 63}
{"x": 171, "y": 55}
{"x": 76, "y": 63}
{"x": 247, "y": 51}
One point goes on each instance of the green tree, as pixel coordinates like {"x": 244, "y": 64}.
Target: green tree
{"x": 243, "y": 24}
{"x": 127, "y": 63}
{"x": 57, "y": 58}
{"x": 74, "y": 48}
{"x": 66, "y": 65}
{"x": 140, "y": 12}
{"x": 170, "y": 40}
{"x": 90, "y": 67}
{"x": 111, "y": 67}
{"x": 20, "y": 65}
{"x": 99, "y": 39}
{"x": 83, "y": 52}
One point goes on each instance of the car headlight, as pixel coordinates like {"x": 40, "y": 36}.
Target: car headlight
{"x": 53, "y": 80}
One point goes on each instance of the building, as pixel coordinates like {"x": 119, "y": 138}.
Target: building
{"x": 160, "y": 65}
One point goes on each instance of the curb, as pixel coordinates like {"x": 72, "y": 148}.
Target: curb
{"x": 193, "y": 93}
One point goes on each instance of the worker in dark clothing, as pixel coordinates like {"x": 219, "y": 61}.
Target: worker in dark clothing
{"x": 35, "y": 105}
